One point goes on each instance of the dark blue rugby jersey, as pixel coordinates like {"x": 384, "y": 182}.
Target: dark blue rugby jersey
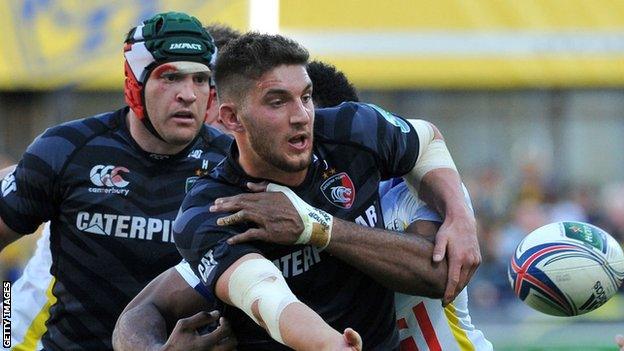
{"x": 111, "y": 207}
{"x": 355, "y": 146}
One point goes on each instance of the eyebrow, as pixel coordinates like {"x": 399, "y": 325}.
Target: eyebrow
{"x": 279, "y": 91}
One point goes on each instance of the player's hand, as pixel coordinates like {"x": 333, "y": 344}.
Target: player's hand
{"x": 457, "y": 240}
{"x": 186, "y": 337}
{"x": 282, "y": 226}
{"x": 619, "y": 340}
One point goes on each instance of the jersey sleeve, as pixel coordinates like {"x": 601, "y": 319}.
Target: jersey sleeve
{"x": 201, "y": 242}
{"x": 412, "y": 209}
{"x": 30, "y": 195}
{"x": 392, "y": 140}
{"x": 184, "y": 269}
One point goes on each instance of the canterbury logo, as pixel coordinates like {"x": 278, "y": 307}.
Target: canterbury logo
{"x": 177, "y": 46}
{"x": 8, "y": 185}
{"x": 109, "y": 176}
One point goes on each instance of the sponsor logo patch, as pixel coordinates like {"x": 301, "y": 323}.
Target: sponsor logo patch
{"x": 195, "y": 154}
{"x": 339, "y": 190}
{"x": 190, "y": 181}
{"x": 179, "y": 46}
{"x": 392, "y": 119}
{"x": 206, "y": 265}
{"x": 121, "y": 226}
{"x": 110, "y": 178}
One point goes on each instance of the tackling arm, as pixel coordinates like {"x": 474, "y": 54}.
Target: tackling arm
{"x": 401, "y": 263}
{"x": 168, "y": 302}
{"x": 436, "y": 180}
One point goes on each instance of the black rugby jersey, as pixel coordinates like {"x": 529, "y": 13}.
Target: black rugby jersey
{"x": 111, "y": 207}
{"x": 355, "y": 146}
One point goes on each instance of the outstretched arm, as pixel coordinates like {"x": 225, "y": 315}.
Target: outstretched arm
{"x": 168, "y": 302}
{"x": 257, "y": 287}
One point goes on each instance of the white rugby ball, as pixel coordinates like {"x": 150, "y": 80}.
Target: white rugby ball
{"x": 566, "y": 268}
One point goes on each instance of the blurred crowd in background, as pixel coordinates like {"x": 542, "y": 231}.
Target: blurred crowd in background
{"x": 509, "y": 209}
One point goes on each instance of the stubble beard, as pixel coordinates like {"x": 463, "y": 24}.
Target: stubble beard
{"x": 273, "y": 156}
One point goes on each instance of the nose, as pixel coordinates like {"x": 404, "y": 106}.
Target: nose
{"x": 301, "y": 113}
{"x": 186, "y": 94}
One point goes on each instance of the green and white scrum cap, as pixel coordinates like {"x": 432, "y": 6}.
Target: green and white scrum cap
{"x": 169, "y": 37}
{"x": 174, "y": 38}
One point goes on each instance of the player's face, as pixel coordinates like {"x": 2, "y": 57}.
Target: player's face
{"x": 278, "y": 116}
{"x": 177, "y": 102}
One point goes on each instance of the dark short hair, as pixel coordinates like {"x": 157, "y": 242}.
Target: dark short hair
{"x": 249, "y": 57}
{"x": 222, "y": 34}
{"x": 331, "y": 86}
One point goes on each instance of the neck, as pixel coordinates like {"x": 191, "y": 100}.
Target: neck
{"x": 146, "y": 140}
{"x": 254, "y": 166}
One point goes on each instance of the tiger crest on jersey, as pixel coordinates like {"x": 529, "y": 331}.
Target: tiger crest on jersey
{"x": 339, "y": 190}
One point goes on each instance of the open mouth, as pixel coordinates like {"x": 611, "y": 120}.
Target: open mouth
{"x": 299, "y": 141}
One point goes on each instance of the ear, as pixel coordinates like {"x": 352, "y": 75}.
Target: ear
{"x": 211, "y": 110}
{"x": 228, "y": 114}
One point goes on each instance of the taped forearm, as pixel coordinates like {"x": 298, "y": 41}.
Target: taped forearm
{"x": 259, "y": 281}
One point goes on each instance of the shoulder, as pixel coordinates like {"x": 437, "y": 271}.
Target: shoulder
{"x": 55, "y": 145}
{"x": 216, "y": 140}
{"x": 206, "y": 190}
{"x": 194, "y": 215}
{"x": 79, "y": 130}
{"x": 350, "y": 117}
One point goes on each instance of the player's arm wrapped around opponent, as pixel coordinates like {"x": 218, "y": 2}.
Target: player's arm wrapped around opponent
{"x": 166, "y": 316}
{"x": 435, "y": 179}
{"x": 402, "y": 263}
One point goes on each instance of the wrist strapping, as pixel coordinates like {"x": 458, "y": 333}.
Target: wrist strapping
{"x": 317, "y": 224}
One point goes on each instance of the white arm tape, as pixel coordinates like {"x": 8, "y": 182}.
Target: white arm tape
{"x": 432, "y": 153}
{"x": 425, "y": 133}
{"x": 316, "y": 222}
{"x": 259, "y": 280}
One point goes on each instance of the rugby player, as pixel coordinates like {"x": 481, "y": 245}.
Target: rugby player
{"x": 264, "y": 94}
{"x": 111, "y": 186}
{"x": 424, "y": 324}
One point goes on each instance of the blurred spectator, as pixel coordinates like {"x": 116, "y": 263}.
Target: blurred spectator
{"x": 612, "y": 200}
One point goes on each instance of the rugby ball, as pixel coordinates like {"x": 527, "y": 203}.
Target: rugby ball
{"x": 566, "y": 268}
